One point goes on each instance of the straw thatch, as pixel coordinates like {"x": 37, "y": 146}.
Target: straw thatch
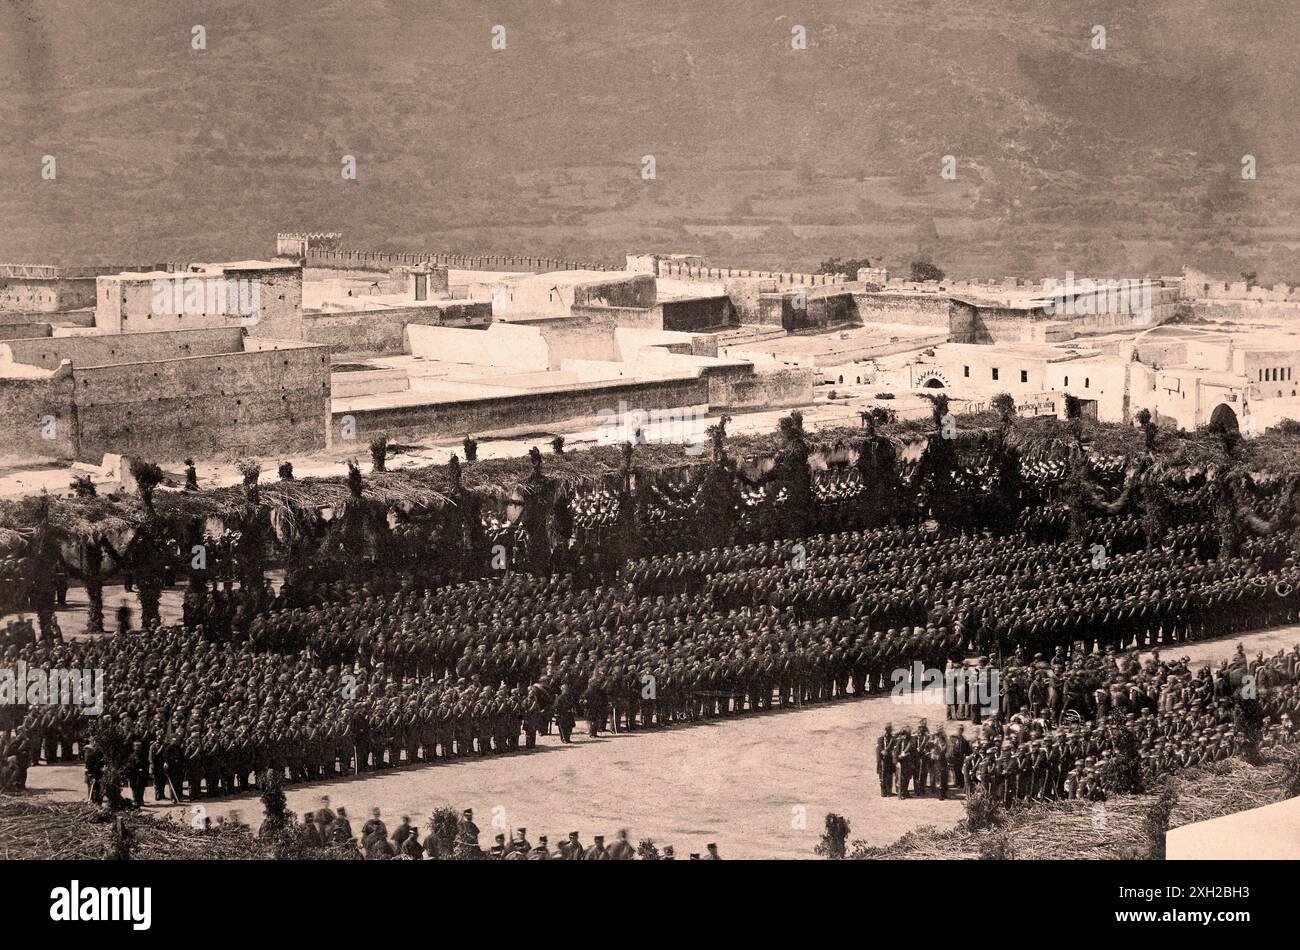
{"x": 1118, "y": 829}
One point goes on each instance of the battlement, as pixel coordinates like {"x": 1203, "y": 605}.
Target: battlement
{"x": 378, "y": 260}
{"x": 1200, "y": 286}
{"x": 300, "y": 243}
{"x": 310, "y": 235}
{"x": 57, "y": 272}
{"x": 688, "y": 271}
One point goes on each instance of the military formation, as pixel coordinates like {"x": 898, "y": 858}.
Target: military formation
{"x": 389, "y": 674}
{"x": 1177, "y": 718}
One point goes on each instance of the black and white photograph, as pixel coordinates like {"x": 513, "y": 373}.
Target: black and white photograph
{"x": 860, "y": 434}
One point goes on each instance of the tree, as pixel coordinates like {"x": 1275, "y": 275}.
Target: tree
{"x": 924, "y": 270}
{"x": 379, "y": 453}
{"x": 791, "y": 476}
{"x": 1148, "y": 427}
{"x": 848, "y": 268}
{"x": 1004, "y": 404}
{"x": 251, "y": 549}
{"x": 935, "y": 477}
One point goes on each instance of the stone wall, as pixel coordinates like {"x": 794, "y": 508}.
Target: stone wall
{"x": 746, "y": 293}
{"x": 27, "y": 405}
{"x": 135, "y": 394}
{"x": 484, "y": 414}
{"x": 638, "y": 318}
{"x": 120, "y": 348}
{"x": 265, "y": 402}
{"x": 771, "y": 390}
{"x": 23, "y": 330}
{"x": 698, "y": 313}
{"x": 914, "y": 309}
{"x": 637, "y": 291}
{"x": 383, "y": 332}
{"x": 47, "y": 295}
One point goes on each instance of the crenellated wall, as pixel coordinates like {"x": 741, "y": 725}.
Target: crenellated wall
{"x": 379, "y": 260}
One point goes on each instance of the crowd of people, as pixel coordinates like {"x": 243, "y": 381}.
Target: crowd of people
{"x": 1161, "y": 713}
{"x": 384, "y": 674}
{"x": 331, "y": 828}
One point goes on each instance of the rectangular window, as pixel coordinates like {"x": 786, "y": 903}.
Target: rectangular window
{"x": 966, "y": 371}
{"x": 1024, "y": 375}
{"x": 1067, "y": 381}
{"x": 1085, "y": 382}
{"x": 995, "y": 372}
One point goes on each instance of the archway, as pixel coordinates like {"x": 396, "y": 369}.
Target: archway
{"x": 1224, "y": 419}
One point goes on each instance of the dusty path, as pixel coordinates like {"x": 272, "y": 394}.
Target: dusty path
{"x": 743, "y": 782}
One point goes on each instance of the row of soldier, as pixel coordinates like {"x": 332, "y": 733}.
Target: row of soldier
{"x": 1171, "y": 716}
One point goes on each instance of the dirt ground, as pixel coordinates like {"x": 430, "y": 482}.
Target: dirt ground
{"x": 758, "y": 785}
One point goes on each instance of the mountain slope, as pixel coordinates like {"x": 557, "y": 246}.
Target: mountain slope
{"x": 1068, "y": 157}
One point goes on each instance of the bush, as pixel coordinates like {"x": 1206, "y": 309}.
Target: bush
{"x": 835, "y": 840}
{"x": 471, "y": 449}
{"x": 442, "y": 826}
{"x": 1123, "y": 772}
{"x": 982, "y": 810}
{"x": 379, "y": 453}
{"x": 83, "y": 487}
{"x": 1156, "y": 822}
{"x": 997, "y": 847}
{"x": 1248, "y": 723}
{"x": 884, "y": 395}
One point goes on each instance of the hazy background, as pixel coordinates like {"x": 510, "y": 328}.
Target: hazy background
{"x": 1108, "y": 162}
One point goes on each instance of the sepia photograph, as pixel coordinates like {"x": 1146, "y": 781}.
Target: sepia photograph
{"x": 836, "y": 438}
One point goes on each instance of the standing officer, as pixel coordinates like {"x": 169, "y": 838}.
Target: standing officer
{"x": 885, "y": 761}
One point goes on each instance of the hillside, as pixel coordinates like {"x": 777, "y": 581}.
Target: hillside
{"x": 1068, "y": 157}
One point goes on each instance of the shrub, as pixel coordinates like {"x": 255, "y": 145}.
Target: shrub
{"x": 997, "y": 847}
{"x": 835, "y": 839}
{"x": 1156, "y": 821}
{"x": 379, "y": 453}
{"x": 982, "y": 810}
